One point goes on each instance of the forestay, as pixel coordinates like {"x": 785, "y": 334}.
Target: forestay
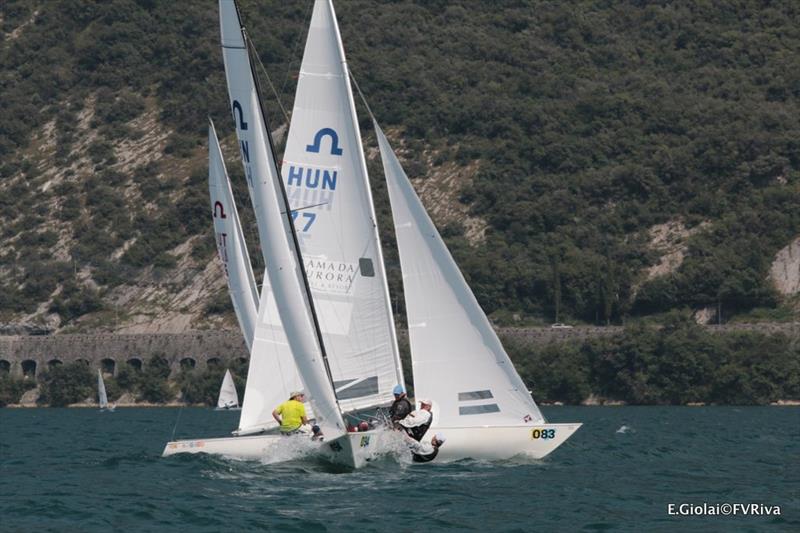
{"x": 228, "y": 398}
{"x": 231, "y": 245}
{"x": 326, "y": 179}
{"x": 458, "y": 360}
{"x": 284, "y": 338}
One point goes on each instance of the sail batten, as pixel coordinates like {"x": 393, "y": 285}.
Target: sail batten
{"x": 458, "y": 360}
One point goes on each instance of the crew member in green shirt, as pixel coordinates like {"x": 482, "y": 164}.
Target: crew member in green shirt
{"x": 291, "y": 414}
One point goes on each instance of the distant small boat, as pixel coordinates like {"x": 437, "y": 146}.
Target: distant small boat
{"x": 101, "y": 393}
{"x": 228, "y": 398}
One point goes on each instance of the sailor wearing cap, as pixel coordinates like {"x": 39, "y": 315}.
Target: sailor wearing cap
{"x": 291, "y": 414}
{"x": 423, "y": 452}
{"x": 401, "y": 406}
{"x": 418, "y": 421}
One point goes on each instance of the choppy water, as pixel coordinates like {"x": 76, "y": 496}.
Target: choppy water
{"x": 82, "y": 470}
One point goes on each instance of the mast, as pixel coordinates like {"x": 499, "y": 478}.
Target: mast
{"x": 287, "y": 211}
{"x": 286, "y": 352}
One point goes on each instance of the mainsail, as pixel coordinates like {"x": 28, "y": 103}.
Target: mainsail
{"x": 326, "y": 178}
{"x": 101, "y": 390}
{"x": 228, "y": 398}
{"x": 231, "y": 245}
{"x": 285, "y": 331}
{"x": 458, "y": 360}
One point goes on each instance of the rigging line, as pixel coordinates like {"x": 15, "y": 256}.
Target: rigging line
{"x": 296, "y": 44}
{"x": 269, "y": 80}
{"x": 395, "y": 348}
{"x": 176, "y": 423}
{"x": 289, "y": 222}
{"x": 361, "y": 94}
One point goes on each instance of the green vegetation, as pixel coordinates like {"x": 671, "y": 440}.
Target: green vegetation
{"x": 677, "y": 364}
{"x": 202, "y": 386}
{"x": 591, "y": 122}
{"x": 66, "y": 384}
{"x": 12, "y": 389}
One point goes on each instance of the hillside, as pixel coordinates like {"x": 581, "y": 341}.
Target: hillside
{"x": 588, "y": 161}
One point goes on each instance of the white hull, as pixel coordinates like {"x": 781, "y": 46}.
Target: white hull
{"x": 354, "y": 450}
{"x": 498, "y": 443}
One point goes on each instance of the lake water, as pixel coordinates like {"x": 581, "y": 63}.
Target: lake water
{"x": 82, "y": 470}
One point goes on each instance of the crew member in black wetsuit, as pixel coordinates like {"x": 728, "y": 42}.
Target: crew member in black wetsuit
{"x": 400, "y": 407}
{"x": 417, "y": 422}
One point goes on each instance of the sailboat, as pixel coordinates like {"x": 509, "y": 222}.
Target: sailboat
{"x": 228, "y": 398}
{"x": 326, "y": 321}
{"x": 101, "y": 393}
{"x": 480, "y": 402}
{"x": 231, "y": 246}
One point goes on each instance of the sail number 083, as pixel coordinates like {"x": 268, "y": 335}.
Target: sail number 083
{"x": 537, "y": 433}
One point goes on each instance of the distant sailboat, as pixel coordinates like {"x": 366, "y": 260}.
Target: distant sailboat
{"x": 228, "y": 398}
{"x": 101, "y": 393}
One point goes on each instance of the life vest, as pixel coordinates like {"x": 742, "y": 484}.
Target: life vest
{"x": 418, "y": 432}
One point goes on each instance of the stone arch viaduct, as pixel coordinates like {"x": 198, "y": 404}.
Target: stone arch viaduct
{"x": 28, "y": 356}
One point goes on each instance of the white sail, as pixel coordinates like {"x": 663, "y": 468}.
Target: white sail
{"x": 101, "y": 390}
{"x": 231, "y": 245}
{"x": 326, "y": 179}
{"x": 228, "y": 398}
{"x": 458, "y": 360}
{"x": 285, "y": 330}
{"x": 272, "y": 374}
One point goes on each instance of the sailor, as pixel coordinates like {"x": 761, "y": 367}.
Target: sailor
{"x": 401, "y": 406}
{"x": 417, "y": 422}
{"x": 316, "y": 433}
{"x": 424, "y": 452}
{"x": 291, "y": 414}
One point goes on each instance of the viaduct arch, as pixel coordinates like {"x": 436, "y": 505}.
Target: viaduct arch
{"x": 28, "y": 356}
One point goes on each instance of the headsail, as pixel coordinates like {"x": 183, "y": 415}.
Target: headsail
{"x": 326, "y": 178}
{"x": 284, "y": 300}
{"x": 231, "y": 245}
{"x": 228, "y": 398}
{"x": 101, "y": 390}
{"x": 458, "y": 360}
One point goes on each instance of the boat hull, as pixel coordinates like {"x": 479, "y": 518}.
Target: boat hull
{"x": 495, "y": 443}
{"x": 355, "y": 450}
{"x": 352, "y": 450}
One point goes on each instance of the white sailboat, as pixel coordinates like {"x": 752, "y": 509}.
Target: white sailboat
{"x": 101, "y": 393}
{"x": 231, "y": 246}
{"x": 228, "y": 398}
{"x": 289, "y": 328}
{"x": 479, "y": 401}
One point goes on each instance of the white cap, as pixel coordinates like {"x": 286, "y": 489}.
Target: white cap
{"x": 425, "y": 401}
{"x": 439, "y": 437}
